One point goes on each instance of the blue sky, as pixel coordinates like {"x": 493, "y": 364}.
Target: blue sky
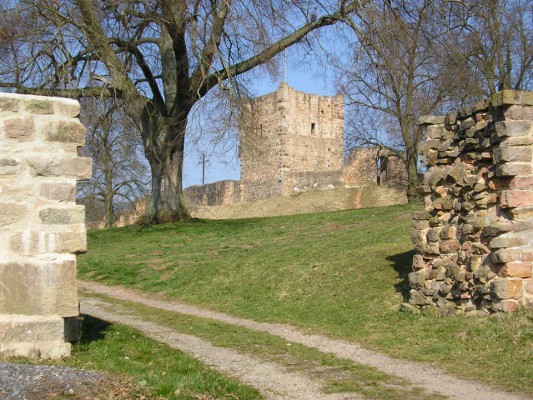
{"x": 300, "y": 78}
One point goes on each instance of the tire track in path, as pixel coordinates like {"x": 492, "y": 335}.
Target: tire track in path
{"x": 421, "y": 375}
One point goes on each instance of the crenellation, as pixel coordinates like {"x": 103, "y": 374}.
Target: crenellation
{"x": 41, "y": 227}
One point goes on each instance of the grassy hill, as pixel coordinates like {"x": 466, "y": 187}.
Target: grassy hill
{"x": 339, "y": 273}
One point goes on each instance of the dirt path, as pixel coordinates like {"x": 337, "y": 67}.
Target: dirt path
{"x": 421, "y": 375}
{"x": 271, "y": 379}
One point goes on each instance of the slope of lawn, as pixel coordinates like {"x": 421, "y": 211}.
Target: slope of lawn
{"x": 340, "y": 273}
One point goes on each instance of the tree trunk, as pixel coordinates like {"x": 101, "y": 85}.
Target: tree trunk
{"x": 108, "y": 201}
{"x": 166, "y": 163}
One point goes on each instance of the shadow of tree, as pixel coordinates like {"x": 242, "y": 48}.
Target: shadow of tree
{"x": 92, "y": 329}
{"x": 402, "y": 263}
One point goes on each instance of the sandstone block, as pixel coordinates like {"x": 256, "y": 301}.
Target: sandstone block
{"x": 507, "y": 154}
{"x": 9, "y": 166}
{"x": 16, "y": 328}
{"x": 37, "y": 350}
{"x": 75, "y": 167}
{"x": 7, "y": 103}
{"x": 507, "y": 288}
{"x": 39, "y": 105}
{"x": 12, "y": 212}
{"x": 506, "y": 306}
{"x": 417, "y": 298}
{"x": 517, "y": 141}
{"x": 516, "y": 198}
{"x": 419, "y": 262}
{"x": 71, "y": 239}
{"x": 508, "y": 240}
{"x": 65, "y": 131}
{"x": 449, "y": 246}
{"x": 527, "y": 253}
{"x": 513, "y": 128}
{"x": 21, "y": 129}
{"x": 431, "y": 120}
{"x": 60, "y": 191}
{"x": 521, "y": 182}
{"x": 519, "y": 112}
{"x": 517, "y": 269}
{"x": 39, "y": 288}
{"x": 529, "y": 286}
{"x": 511, "y": 97}
{"x": 62, "y": 215}
{"x": 417, "y": 278}
{"x": 514, "y": 168}
{"x": 506, "y": 255}
{"x": 67, "y": 107}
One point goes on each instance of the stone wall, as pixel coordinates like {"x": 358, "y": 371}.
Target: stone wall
{"x": 290, "y": 136}
{"x": 41, "y": 227}
{"x": 371, "y": 166}
{"x": 474, "y": 241}
{"x": 213, "y": 194}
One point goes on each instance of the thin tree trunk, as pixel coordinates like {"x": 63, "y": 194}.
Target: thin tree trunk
{"x": 412, "y": 175}
{"x": 108, "y": 201}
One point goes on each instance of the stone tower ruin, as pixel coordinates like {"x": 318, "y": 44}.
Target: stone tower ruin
{"x": 291, "y": 141}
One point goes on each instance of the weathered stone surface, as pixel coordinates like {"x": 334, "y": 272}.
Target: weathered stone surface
{"x": 514, "y": 168}
{"x": 516, "y": 198}
{"x": 12, "y": 212}
{"x": 61, "y": 191}
{"x": 506, "y": 306}
{"x": 30, "y": 328}
{"x": 511, "y": 97}
{"x": 21, "y": 129}
{"x": 419, "y": 262}
{"x": 517, "y": 269}
{"x": 65, "y": 131}
{"x": 507, "y": 288}
{"x": 8, "y": 103}
{"x": 39, "y": 288}
{"x": 417, "y": 278}
{"x": 71, "y": 239}
{"x": 75, "y": 167}
{"x": 63, "y": 215}
{"x": 431, "y": 120}
{"x": 507, "y": 154}
{"x": 39, "y": 105}
{"x": 513, "y": 128}
{"x": 519, "y": 112}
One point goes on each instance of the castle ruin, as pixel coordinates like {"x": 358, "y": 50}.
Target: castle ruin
{"x": 291, "y": 141}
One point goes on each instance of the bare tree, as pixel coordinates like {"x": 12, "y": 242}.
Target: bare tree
{"x": 159, "y": 57}
{"x": 120, "y": 172}
{"x": 397, "y": 73}
{"x": 495, "y": 40}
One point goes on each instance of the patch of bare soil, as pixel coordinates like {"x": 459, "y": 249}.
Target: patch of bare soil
{"x": 421, "y": 375}
{"x": 305, "y": 202}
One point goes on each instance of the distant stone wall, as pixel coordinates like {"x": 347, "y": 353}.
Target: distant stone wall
{"x": 213, "y": 194}
{"x": 474, "y": 241}
{"x": 41, "y": 227}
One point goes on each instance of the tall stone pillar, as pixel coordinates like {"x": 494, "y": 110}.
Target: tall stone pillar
{"x": 41, "y": 227}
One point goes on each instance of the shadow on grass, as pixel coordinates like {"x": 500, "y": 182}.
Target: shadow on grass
{"x": 92, "y": 329}
{"x": 402, "y": 263}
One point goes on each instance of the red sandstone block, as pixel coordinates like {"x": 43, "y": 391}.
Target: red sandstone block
{"x": 521, "y": 182}
{"x": 506, "y": 255}
{"x": 517, "y": 269}
{"x": 527, "y": 253}
{"x": 507, "y": 306}
{"x": 449, "y": 246}
{"x": 516, "y": 198}
{"x": 529, "y": 286}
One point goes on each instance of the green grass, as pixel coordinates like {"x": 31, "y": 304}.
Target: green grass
{"x": 342, "y": 274}
{"x": 154, "y": 368}
{"x": 338, "y": 375}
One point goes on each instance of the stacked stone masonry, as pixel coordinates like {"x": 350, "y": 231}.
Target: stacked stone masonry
{"x": 41, "y": 227}
{"x": 474, "y": 241}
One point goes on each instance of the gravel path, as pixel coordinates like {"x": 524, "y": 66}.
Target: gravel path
{"x": 421, "y": 375}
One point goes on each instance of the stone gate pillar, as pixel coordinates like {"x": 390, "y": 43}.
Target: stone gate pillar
{"x": 41, "y": 227}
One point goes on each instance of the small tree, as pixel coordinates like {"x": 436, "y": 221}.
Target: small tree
{"x": 120, "y": 174}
